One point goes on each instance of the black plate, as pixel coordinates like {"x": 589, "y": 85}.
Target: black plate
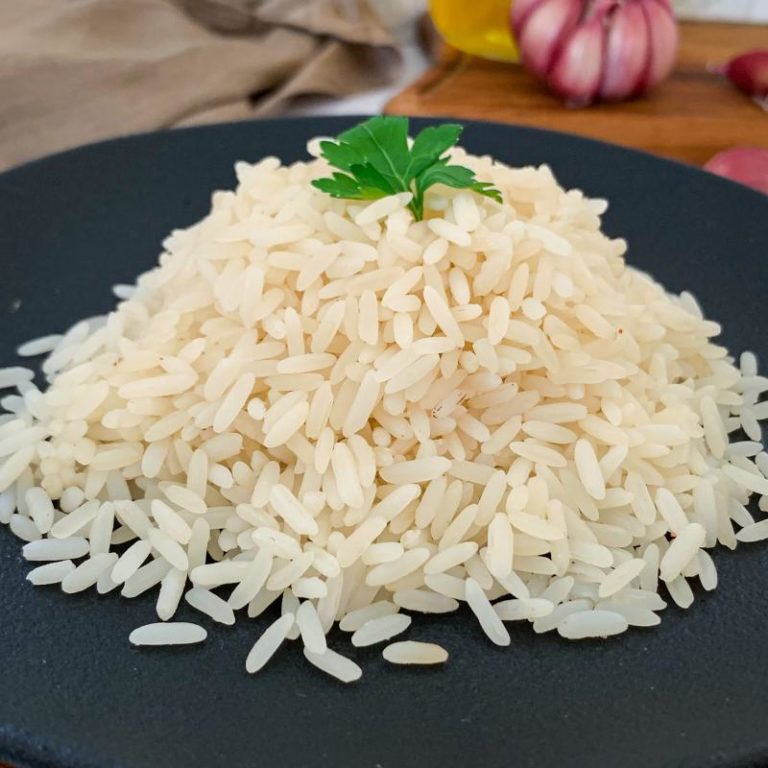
{"x": 693, "y": 692}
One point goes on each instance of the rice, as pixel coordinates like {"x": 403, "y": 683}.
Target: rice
{"x": 554, "y": 618}
{"x": 171, "y": 590}
{"x": 621, "y": 576}
{"x": 389, "y": 573}
{"x": 413, "y": 652}
{"x": 359, "y": 540}
{"x": 670, "y": 509}
{"x": 146, "y": 577}
{"x": 707, "y": 570}
{"x": 334, "y": 664}
{"x": 252, "y": 580}
{"x": 171, "y": 522}
{"x": 40, "y": 508}
{"x": 130, "y": 561}
{"x": 286, "y": 575}
{"x": 185, "y": 499}
{"x": 425, "y": 601}
{"x": 536, "y": 526}
{"x": 39, "y": 346}
{"x": 100, "y": 531}
{"x": 168, "y": 633}
{"x": 287, "y": 506}
{"x": 169, "y": 549}
{"x": 311, "y": 629}
{"x": 13, "y": 376}
{"x": 54, "y": 549}
{"x": 753, "y": 532}
{"x": 450, "y": 232}
{"x": 588, "y": 469}
{"x": 216, "y": 574}
{"x": 309, "y": 587}
{"x": 446, "y": 585}
{"x": 14, "y": 466}
{"x": 379, "y": 629}
{"x": 384, "y": 552}
{"x": 51, "y": 573}
{"x": 86, "y": 574}
{"x": 597, "y": 623}
{"x": 20, "y": 438}
{"x": 266, "y": 646}
{"x": 683, "y": 549}
{"x": 558, "y": 590}
{"x": 680, "y": 591}
{"x": 751, "y": 481}
{"x": 354, "y": 619}
{"x": 483, "y": 610}
{"x": 441, "y": 313}
{"x": 528, "y": 609}
{"x": 415, "y": 471}
{"x": 325, "y": 402}
{"x": 210, "y": 604}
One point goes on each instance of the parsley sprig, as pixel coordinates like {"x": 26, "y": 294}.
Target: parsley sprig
{"x": 374, "y": 160}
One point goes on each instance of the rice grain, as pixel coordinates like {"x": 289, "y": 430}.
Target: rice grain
{"x": 266, "y": 646}
{"x": 167, "y": 633}
{"x": 413, "y": 652}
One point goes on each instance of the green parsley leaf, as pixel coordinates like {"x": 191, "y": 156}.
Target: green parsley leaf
{"x": 376, "y": 161}
{"x": 367, "y": 175}
{"x": 341, "y": 156}
{"x": 430, "y": 145}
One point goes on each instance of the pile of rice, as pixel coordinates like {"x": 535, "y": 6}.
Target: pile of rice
{"x": 326, "y": 403}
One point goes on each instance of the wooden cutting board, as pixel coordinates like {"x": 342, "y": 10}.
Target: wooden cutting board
{"x": 690, "y": 117}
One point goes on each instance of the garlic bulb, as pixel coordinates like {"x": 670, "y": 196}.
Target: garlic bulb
{"x": 590, "y": 50}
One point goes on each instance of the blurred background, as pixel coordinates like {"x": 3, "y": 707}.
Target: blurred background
{"x": 687, "y": 79}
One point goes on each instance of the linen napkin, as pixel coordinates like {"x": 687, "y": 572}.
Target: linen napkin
{"x": 75, "y": 71}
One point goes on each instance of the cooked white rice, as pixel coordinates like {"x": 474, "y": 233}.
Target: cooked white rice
{"x": 168, "y": 633}
{"x": 266, "y": 646}
{"x": 413, "y": 652}
{"x": 334, "y": 664}
{"x": 211, "y": 604}
{"x": 380, "y": 629}
{"x": 328, "y": 402}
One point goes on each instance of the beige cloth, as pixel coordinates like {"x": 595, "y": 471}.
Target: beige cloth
{"x": 75, "y": 71}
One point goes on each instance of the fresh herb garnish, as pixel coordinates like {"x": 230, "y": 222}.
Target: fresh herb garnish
{"x": 376, "y": 161}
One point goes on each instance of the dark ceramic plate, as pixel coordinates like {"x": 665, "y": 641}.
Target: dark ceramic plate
{"x": 74, "y": 693}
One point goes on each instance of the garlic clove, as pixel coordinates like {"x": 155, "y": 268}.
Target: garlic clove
{"x": 546, "y": 25}
{"x": 664, "y": 38}
{"x": 520, "y": 11}
{"x": 599, "y": 7}
{"x": 578, "y": 67}
{"x": 749, "y": 72}
{"x": 627, "y": 54}
{"x": 746, "y": 165}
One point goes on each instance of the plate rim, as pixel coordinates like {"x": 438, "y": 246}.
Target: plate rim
{"x": 140, "y": 136}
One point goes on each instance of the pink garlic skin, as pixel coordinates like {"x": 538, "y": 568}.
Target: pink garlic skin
{"x": 662, "y": 27}
{"x": 746, "y": 165}
{"x": 749, "y": 72}
{"x": 596, "y": 50}
{"x": 576, "y": 71}
{"x": 626, "y": 54}
{"x": 545, "y": 25}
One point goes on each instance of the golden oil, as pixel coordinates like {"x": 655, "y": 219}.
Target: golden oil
{"x": 479, "y": 27}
